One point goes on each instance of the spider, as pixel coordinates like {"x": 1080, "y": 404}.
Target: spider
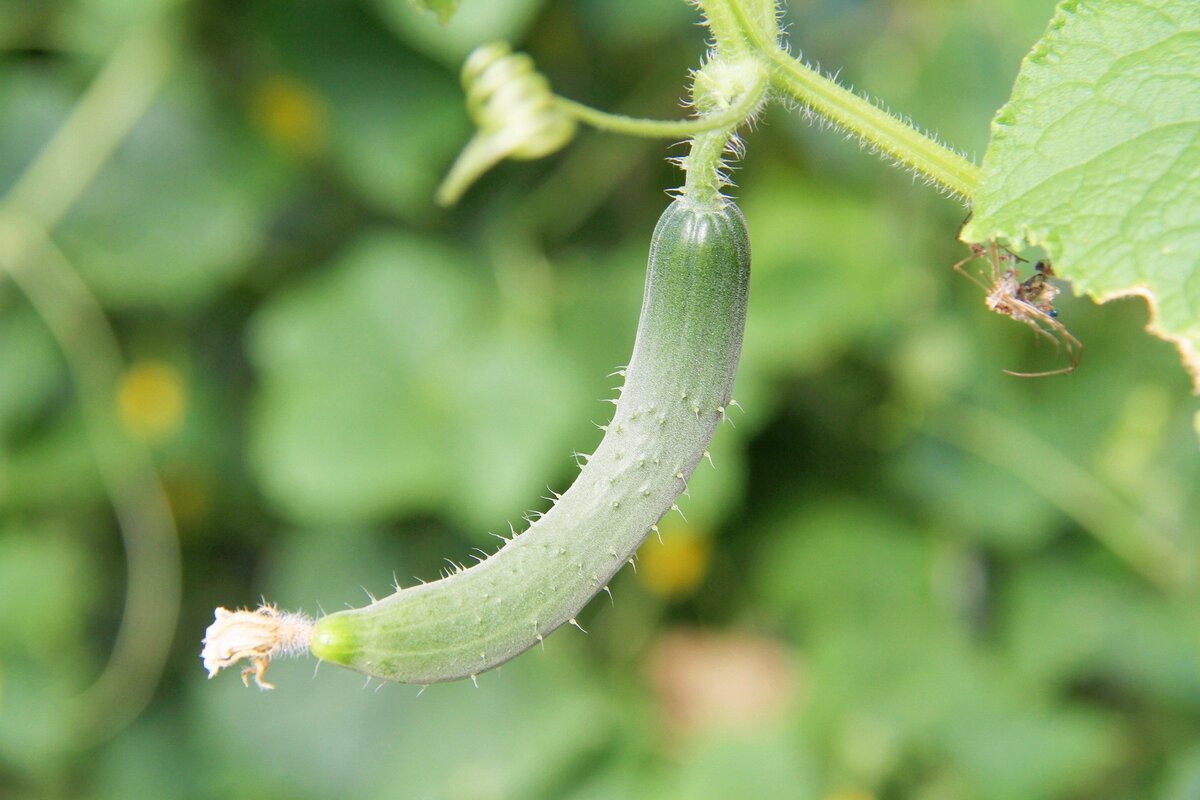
{"x": 1030, "y": 301}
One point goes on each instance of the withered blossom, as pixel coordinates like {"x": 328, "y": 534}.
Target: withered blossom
{"x": 258, "y": 635}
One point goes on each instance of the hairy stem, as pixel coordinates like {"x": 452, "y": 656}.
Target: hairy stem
{"x": 703, "y": 167}
{"x": 877, "y": 128}
{"x": 739, "y": 27}
{"x": 745, "y": 105}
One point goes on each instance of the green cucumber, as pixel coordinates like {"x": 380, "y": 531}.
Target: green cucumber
{"x": 678, "y": 385}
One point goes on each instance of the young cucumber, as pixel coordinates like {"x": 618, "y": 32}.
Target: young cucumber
{"x": 677, "y": 386}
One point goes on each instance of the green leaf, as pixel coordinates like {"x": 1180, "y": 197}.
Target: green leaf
{"x": 733, "y": 763}
{"x": 388, "y": 387}
{"x": 845, "y": 294}
{"x": 443, "y": 8}
{"x": 1096, "y": 158}
{"x": 897, "y": 668}
{"x": 184, "y": 174}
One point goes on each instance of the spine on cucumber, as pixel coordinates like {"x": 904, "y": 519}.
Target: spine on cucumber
{"x": 677, "y": 386}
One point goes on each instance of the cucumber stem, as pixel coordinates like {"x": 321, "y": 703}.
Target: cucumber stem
{"x": 703, "y": 165}
{"x": 733, "y": 116}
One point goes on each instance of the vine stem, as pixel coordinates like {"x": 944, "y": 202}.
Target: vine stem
{"x": 740, "y": 88}
{"x": 879, "y": 129}
{"x": 665, "y": 129}
{"x": 729, "y": 20}
{"x": 703, "y": 167}
{"x": 723, "y": 86}
{"x": 727, "y": 23}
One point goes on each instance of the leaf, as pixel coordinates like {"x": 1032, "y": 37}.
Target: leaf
{"x": 1183, "y": 774}
{"x": 33, "y": 104}
{"x": 388, "y": 387}
{"x": 732, "y": 764}
{"x": 1096, "y": 158}
{"x": 443, "y": 8}
{"x": 834, "y": 277}
{"x": 183, "y": 175}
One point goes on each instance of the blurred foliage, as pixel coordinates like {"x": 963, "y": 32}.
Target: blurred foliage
{"x": 908, "y": 575}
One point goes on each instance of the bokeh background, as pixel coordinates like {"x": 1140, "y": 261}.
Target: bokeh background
{"x": 908, "y": 576}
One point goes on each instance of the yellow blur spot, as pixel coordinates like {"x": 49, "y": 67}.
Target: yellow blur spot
{"x": 676, "y": 567}
{"x": 850, "y": 794}
{"x": 151, "y": 401}
{"x": 291, "y": 114}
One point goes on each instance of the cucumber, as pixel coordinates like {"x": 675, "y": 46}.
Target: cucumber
{"x": 677, "y": 386}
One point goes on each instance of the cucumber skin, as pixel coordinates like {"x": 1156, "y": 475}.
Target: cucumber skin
{"x": 677, "y": 386}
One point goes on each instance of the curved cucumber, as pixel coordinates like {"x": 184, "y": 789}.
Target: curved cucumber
{"x": 677, "y": 385}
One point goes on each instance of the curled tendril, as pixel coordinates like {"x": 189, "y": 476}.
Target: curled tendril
{"x": 516, "y": 113}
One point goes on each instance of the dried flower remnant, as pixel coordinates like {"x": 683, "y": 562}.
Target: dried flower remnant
{"x": 1030, "y": 301}
{"x": 258, "y": 635}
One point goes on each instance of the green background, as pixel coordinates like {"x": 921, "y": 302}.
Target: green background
{"x": 908, "y": 576}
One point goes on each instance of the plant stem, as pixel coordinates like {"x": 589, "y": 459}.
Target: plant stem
{"x": 876, "y": 127}
{"x": 733, "y": 27}
{"x": 743, "y": 91}
{"x": 703, "y": 167}
{"x": 727, "y": 26}
{"x": 720, "y": 88}
{"x": 665, "y": 129}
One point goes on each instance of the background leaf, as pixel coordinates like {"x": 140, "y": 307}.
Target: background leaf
{"x": 477, "y": 22}
{"x": 443, "y": 8}
{"x": 352, "y": 426}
